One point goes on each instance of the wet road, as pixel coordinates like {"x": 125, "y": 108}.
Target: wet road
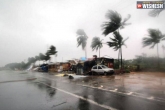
{"x": 49, "y": 92}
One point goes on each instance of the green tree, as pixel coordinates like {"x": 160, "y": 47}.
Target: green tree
{"x": 82, "y": 40}
{"x": 96, "y": 44}
{"x": 154, "y": 38}
{"x": 115, "y": 22}
{"x": 51, "y": 51}
{"x": 116, "y": 43}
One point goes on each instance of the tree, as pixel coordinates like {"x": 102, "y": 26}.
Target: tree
{"x": 51, "y": 51}
{"x": 82, "y": 40}
{"x": 96, "y": 44}
{"x": 116, "y": 43}
{"x": 155, "y": 12}
{"x": 154, "y": 38}
{"x": 115, "y": 22}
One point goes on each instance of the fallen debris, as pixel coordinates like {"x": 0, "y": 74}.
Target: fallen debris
{"x": 59, "y": 104}
{"x": 71, "y": 77}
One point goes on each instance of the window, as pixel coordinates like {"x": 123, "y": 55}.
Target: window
{"x": 99, "y": 67}
{"x": 95, "y": 67}
{"x": 104, "y": 66}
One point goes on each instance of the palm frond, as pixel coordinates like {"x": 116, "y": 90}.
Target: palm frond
{"x": 123, "y": 23}
{"x": 80, "y": 32}
{"x": 109, "y": 27}
{"x": 113, "y": 16}
{"x": 113, "y": 24}
{"x": 81, "y": 40}
{"x": 125, "y": 39}
{"x": 123, "y": 42}
{"x": 163, "y": 37}
{"x": 114, "y": 45}
{"x": 96, "y": 43}
{"x": 147, "y": 41}
{"x": 118, "y": 37}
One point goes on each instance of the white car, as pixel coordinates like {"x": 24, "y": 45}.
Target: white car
{"x": 102, "y": 69}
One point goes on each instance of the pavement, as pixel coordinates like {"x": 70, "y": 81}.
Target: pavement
{"x": 41, "y": 91}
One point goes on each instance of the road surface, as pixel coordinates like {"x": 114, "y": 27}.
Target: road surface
{"x": 41, "y": 91}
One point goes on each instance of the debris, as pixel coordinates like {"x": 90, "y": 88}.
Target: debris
{"x": 71, "y": 77}
{"x": 65, "y": 75}
{"x": 58, "y": 104}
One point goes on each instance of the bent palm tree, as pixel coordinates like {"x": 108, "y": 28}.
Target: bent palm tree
{"x": 82, "y": 40}
{"x": 96, "y": 44}
{"x": 154, "y": 38}
{"x": 155, "y": 12}
{"x": 116, "y": 43}
{"x": 52, "y": 51}
{"x": 115, "y": 22}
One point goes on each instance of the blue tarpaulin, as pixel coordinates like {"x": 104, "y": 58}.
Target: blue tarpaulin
{"x": 83, "y": 58}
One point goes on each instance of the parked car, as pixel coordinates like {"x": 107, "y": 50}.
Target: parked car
{"x": 102, "y": 69}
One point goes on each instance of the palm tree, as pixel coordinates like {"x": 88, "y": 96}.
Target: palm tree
{"x": 154, "y": 38}
{"x": 117, "y": 42}
{"x": 51, "y": 51}
{"x": 155, "y": 12}
{"x": 82, "y": 39}
{"x": 115, "y": 22}
{"x": 96, "y": 44}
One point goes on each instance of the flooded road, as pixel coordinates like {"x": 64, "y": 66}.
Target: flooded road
{"x": 41, "y": 91}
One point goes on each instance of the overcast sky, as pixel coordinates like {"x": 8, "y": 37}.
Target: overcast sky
{"x": 29, "y": 27}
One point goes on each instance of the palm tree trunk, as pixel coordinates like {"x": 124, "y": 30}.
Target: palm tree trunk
{"x": 118, "y": 58}
{"x": 99, "y": 52}
{"x": 164, "y": 52}
{"x": 85, "y": 52}
{"x": 158, "y": 55}
{"x": 121, "y": 58}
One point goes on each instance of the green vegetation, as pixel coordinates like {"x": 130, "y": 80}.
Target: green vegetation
{"x": 154, "y": 38}
{"x": 144, "y": 63}
{"x": 31, "y": 60}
